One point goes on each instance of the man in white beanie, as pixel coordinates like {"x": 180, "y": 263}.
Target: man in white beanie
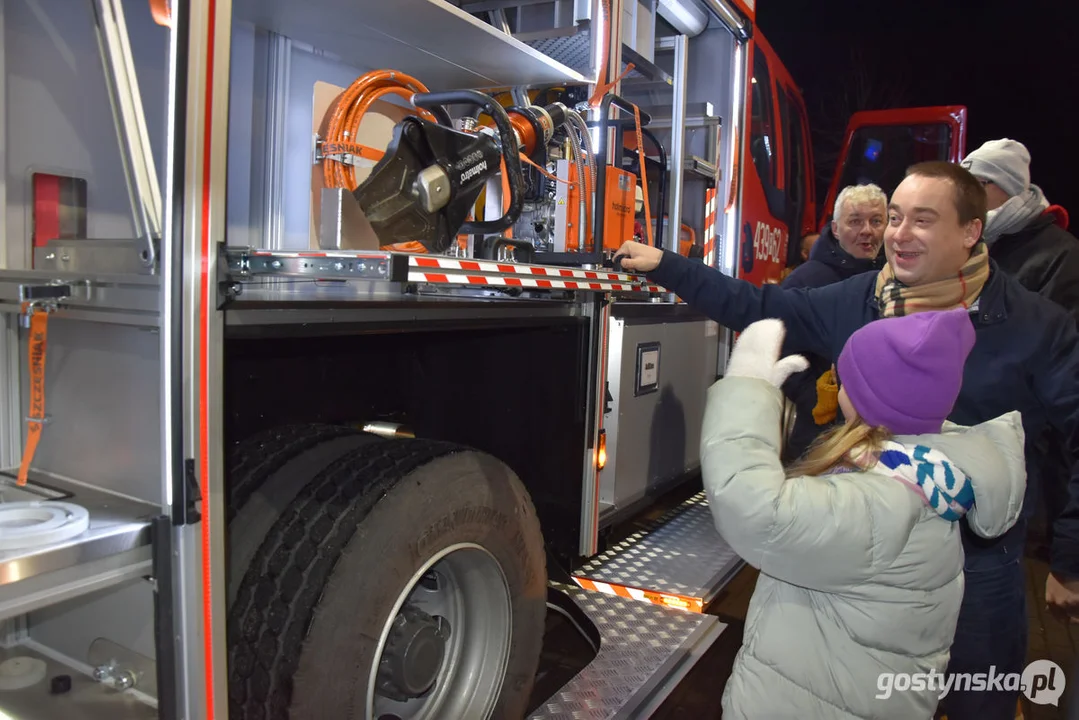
{"x": 1027, "y": 237}
{"x": 1025, "y": 234}
{"x": 1028, "y": 240}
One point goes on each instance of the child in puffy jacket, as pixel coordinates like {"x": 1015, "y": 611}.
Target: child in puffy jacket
{"x": 858, "y": 544}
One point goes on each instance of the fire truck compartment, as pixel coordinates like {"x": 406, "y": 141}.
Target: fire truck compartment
{"x": 202, "y": 302}
{"x": 506, "y": 384}
{"x": 660, "y": 359}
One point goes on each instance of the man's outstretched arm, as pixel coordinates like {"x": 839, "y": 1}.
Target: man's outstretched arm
{"x": 809, "y": 315}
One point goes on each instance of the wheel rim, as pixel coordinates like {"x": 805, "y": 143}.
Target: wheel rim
{"x": 444, "y": 650}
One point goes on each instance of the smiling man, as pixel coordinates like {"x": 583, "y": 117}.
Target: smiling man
{"x": 1026, "y": 358}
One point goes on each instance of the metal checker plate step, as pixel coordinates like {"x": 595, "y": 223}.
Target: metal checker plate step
{"x": 645, "y": 651}
{"x": 681, "y": 556}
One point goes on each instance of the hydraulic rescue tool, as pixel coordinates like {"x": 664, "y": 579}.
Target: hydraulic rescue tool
{"x": 423, "y": 189}
{"x": 431, "y": 176}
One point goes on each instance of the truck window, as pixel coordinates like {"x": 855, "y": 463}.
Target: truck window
{"x": 795, "y": 155}
{"x": 784, "y": 132}
{"x": 881, "y": 154}
{"x": 764, "y": 138}
{"x": 797, "y": 164}
{"x": 762, "y": 142}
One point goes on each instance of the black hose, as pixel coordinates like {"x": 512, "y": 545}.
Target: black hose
{"x": 662, "y": 183}
{"x": 442, "y": 115}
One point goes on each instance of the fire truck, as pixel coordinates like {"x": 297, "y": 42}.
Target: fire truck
{"x": 323, "y": 394}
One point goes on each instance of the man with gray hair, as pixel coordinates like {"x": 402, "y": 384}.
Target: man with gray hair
{"x": 850, "y": 245}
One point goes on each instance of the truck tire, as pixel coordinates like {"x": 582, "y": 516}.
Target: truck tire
{"x": 406, "y": 580}
{"x": 266, "y": 472}
{"x": 253, "y": 460}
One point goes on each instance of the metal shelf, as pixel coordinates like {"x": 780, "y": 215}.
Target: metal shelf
{"x": 698, "y": 115}
{"x": 700, "y": 168}
{"x": 643, "y": 69}
{"x": 115, "y": 548}
{"x": 575, "y": 51}
{"x": 441, "y": 45}
{"x": 127, "y": 299}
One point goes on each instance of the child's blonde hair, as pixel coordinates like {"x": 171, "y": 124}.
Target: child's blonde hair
{"x": 848, "y": 445}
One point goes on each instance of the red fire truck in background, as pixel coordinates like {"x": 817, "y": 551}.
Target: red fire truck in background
{"x": 347, "y": 406}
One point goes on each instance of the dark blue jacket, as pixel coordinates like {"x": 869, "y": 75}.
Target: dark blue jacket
{"x": 1026, "y": 358}
{"x": 828, "y": 263}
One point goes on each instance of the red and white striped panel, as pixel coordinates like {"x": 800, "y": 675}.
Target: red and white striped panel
{"x": 455, "y": 271}
{"x": 710, "y": 226}
{"x": 656, "y": 598}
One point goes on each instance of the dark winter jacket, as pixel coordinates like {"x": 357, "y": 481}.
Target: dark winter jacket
{"x": 1044, "y": 257}
{"x": 828, "y": 263}
{"x": 1026, "y": 358}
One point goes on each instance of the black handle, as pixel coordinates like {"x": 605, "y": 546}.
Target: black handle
{"x": 510, "y": 151}
{"x": 601, "y": 172}
{"x": 662, "y": 185}
{"x": 527, "y": 250}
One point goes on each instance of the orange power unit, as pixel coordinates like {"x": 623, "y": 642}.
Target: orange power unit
{"x": 621, "y": 187}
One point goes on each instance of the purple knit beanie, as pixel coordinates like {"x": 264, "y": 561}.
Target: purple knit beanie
{"x": 904, "y": 373}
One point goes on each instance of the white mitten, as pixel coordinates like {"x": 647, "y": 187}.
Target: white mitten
{"x": 756, "y": 354}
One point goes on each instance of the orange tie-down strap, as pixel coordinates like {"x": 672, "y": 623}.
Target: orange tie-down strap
{"x": 35, "y": 418}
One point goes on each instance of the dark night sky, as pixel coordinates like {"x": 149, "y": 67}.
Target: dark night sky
{"x": 1015, "y": 65}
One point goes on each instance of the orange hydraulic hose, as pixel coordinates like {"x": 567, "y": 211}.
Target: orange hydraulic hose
{"x": 508, "y": 232}
{"x": 644, "y": 177}
{"x": 346, "y": 114}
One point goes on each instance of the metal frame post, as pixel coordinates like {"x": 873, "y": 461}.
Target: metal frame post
{"x": 192, "y": 331}
{"x": 677, "y": 154}
{"x": 10, "y": 427}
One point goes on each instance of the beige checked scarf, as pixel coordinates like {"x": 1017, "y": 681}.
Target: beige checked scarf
{"x": 896, "y": 299}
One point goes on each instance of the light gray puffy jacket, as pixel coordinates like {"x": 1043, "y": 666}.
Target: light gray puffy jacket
{"x": 859, "y": 576}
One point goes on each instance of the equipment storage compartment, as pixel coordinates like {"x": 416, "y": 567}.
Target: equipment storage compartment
{"x": 260, "y": 381}
{"x": 660, "y": 359}
{"x": 81, "y": 356}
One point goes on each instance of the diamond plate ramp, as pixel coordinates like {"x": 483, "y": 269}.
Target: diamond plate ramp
{"x": 645, "y": 651}
{"x": 681, "y": 561}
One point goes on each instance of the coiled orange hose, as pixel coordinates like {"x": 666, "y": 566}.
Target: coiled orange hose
{"x": 346, "y": 114}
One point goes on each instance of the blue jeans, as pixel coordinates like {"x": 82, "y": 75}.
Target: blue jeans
{"x": 992, "y": 632}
